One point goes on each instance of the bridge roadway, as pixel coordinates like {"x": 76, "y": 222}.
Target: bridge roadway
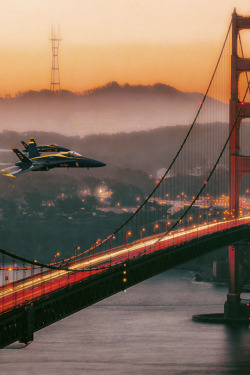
{"x": 32, "y": 303}
{"x": 35, "y": 286}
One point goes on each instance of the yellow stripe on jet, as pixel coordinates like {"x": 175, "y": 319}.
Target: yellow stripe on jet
{"x": 9, "y": 175}
{"x": 54, "y": 155}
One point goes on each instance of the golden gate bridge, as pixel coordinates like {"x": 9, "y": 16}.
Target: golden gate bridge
{"x": 204, "y": 169}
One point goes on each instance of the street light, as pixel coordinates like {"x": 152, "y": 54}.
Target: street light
{"x": 199, "y": 217}
{"x": 189, "y": 218}
{"x": 167, "y": 223}
{"x": 97, "y": 242}
{"x": 178, "y": 225}
{"x": 75, "y": 249}
{"x": 7, "y": 273}
{"x": 156, "y": 226}
{"x": 56, "y": 255}
{"x": 110, "y": 241}
{"x": 142, "y": 230}
{"x": 128, "y": 234}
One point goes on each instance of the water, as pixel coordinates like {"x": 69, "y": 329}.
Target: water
{"x": 147, "y": 330}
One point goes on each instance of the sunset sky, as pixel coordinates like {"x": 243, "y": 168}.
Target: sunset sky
{"x": 134, "y": 41}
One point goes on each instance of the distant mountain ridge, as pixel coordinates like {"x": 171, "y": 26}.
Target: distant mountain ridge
{"x": 157, "y": 88}
{"x": 109, "y": 88}
{"x": 108, "y": 109}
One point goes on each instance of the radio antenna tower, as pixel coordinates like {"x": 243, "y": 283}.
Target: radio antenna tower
{"x": 55, "y": 74}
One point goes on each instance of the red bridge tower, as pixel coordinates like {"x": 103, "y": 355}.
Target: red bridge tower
{"x": 238, "y": 164}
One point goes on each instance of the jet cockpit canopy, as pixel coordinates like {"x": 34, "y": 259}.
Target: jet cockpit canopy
{"x": 72, "y": 154}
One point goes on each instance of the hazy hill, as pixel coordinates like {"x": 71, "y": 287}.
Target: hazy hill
{"x": 108, "y": 109}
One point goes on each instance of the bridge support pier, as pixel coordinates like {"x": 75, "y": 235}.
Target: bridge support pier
{"x": 232, "y": 306}
{"x": 27, "y": 327}
{"x": 239, "y": 275}
{"x": 236, "y": 310}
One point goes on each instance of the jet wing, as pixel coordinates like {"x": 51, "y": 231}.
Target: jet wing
{"x": 14, "y": 171}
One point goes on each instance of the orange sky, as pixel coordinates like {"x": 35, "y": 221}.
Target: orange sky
{"x": 139, "y": 42}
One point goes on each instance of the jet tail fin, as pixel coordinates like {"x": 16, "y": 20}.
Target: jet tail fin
{"x": 24, "y": 144}
{"x": 33, "y": 151}
{"x": 21, "y": 156}
{"x": 32, "y": 141}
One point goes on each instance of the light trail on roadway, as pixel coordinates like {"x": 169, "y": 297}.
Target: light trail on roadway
{"x": 35, "y": 286}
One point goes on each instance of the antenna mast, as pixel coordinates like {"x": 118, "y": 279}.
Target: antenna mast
{"x": 55, "y": 75}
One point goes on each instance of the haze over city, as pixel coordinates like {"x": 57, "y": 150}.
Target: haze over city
{"x": 142, "y": 42}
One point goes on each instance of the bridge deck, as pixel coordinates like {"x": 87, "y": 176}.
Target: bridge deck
{"x": 53, "y": 295}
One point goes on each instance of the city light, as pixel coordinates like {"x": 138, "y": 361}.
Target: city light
{"x": 167, "y": 224}
{"x": 156, "y": 226}
{"x": 128, "y": 234}
{"x": 56, "y": 255}
{"x": 142, "y": 230}
{"x": 77, "y": 248}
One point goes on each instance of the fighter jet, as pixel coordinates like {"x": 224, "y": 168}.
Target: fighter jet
{"x": 69, "y": 159}
{"x": 48, "y": 148}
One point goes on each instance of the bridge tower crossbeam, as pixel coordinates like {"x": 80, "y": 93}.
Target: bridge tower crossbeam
{"x": 238, "y": 164}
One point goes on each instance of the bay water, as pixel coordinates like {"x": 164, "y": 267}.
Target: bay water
{"x": 147, "y": 330}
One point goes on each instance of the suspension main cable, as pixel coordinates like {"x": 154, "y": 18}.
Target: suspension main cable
{"x": 204, "y": 185}
{"x": 180, "y": 149}
{"x": 39, "y": 264}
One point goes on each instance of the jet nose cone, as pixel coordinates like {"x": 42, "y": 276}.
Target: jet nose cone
{"x": 92, "y": 163}
{"x": 97, "y": 163}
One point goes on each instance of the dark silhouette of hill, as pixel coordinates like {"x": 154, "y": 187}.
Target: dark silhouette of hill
{"x": 113, "y": 88}
{"x": 109, "y": 109}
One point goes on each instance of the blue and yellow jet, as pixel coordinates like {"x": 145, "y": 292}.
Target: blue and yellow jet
{"x": 47, "y": 148}
{"x": 68, "y": 159}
